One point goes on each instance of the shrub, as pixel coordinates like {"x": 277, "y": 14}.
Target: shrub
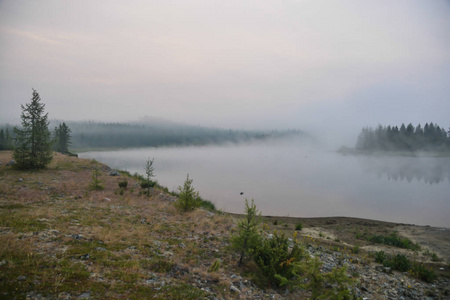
{"x": 96, "y": 183}
{"x": 394, "y": 240}
{"x": 214, "y": 266}
{"x": 331, "y": 285}
{"x": 206, "y": 204}
{"x": 147, "y": 184}
{"x": 276, "y": 259}
{"x": 123, "y": 184}
{"x": 421, "y": 272}
{"x": 275, "y": 222}
{"x": 355, "y": 249}
{"x": 149, "y": 173}
{"x": 380, "y": 256}
{"x": 188, "y": 199}
{"x": 247, "y": 237}
{"x": 399, "y": 262}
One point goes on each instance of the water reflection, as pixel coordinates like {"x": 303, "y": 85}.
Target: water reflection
{"x": 427, "y": 169}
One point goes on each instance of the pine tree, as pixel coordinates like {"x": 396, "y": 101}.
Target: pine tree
{"x": 247, "y": 236}
{"x": 2, "y": 140}
{"x": 32, "y": 143}
{"x": 8, "y": 139}
{"x": 149, "y": 174}
{"x": 61, "y": 138}
{"x": 189, "y": 198}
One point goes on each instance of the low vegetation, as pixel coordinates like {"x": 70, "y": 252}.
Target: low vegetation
{"x": 400, "y": 262}
{"x": 392, "y": 239}
{"x": 62, "y": 238}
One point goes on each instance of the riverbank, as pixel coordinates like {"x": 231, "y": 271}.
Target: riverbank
{"x": 60, "y": 239}
{"x": 353, "y": 151}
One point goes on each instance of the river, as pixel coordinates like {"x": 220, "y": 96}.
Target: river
{"x": 292, "y": 180}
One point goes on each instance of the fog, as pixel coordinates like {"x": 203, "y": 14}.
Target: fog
{"x": 297, "y": 179}
{"x": 326, "y": 67}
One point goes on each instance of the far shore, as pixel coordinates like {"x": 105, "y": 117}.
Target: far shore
{"x": 353, "y": 151}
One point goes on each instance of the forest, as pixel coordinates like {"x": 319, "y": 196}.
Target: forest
{"x": 429, "y": 138}
{"x": 92, "y": 134}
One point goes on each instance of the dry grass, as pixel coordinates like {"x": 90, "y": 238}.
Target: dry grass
{"x": 50, "y": 219}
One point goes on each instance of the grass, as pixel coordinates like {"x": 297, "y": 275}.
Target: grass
{"x": 392, "y": 240}
{"x": 57, "y": 235}
{"x": 400, "y": 262}
{"x": 63, "y": 237}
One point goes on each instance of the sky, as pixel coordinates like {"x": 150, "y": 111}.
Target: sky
{"x": 324, "y": 66}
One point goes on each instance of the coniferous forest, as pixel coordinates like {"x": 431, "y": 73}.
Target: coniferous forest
{"x": 159, "y": 133}
{"x": 429, "y": 138}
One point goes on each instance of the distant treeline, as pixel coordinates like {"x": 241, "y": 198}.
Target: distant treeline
{"x": 431, "y": 137}
{"x": 95, "y": 134}
{"x": 6, "y": 137}
{"x": 90, "y": 134}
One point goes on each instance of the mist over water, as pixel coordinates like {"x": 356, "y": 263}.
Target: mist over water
{"x": 290, "y": 179}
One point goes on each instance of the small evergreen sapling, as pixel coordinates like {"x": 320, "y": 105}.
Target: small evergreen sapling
{"x": 149, "y": 173}
{"x": 247, "y": 237}
{"x": 188, "y": 199}
{"x": 96, "y": 183}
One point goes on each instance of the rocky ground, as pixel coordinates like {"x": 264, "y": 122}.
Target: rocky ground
{"x": 61, "y": 240}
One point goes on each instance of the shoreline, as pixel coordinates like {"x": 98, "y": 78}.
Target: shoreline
{"x": 106, "y": 236}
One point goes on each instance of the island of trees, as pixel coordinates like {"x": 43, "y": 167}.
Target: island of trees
{"x": 408, "y": 138}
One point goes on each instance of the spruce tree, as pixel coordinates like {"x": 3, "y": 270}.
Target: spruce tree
{"x": 61, "y": 138}
{"x": 247, "y": 237}
{"x": 32, "y": 143}
{"x": 2, "y": 140}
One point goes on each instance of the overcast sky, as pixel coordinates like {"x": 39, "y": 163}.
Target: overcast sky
{"x": 233, "y": 64}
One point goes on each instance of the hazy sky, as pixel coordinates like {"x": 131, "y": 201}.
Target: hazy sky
{"x": 234, "y": 64}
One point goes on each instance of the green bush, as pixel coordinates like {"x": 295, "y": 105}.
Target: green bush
{"x": 421, "y": 272}
{"x": 247, "y": 237}
{"x": 123, "y": 184}
{"x": 206, "y": 204}
{"x": 299, "y": 226}
{"x": 147, "y": 184}
{"x": 398, "y": 262}
{"x": 188, "y": 199}
{"x": 275, "y": 222}
{"x": 331, "y": 285}
{"x": 214, "y": 266}
{"x": 380, "y": 256}
{"x": 96, "y": 183}
{"x": 401, "y": 263}
{"x": 276, "y": 259}
{"x": 394, "y": 240}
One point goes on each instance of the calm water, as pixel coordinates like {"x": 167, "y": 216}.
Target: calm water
{"x": 290, "y": 180}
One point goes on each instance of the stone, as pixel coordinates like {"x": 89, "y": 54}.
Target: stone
{"x": 21, "y": 278}
{"x": 77, "y": 236}
{"x": 11, "y": 163}
{"x": 64, "y": 295}
{"x": 84, "y": 256}
{"x": 234, "y": 289}
{"x": 86, "y": 295}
